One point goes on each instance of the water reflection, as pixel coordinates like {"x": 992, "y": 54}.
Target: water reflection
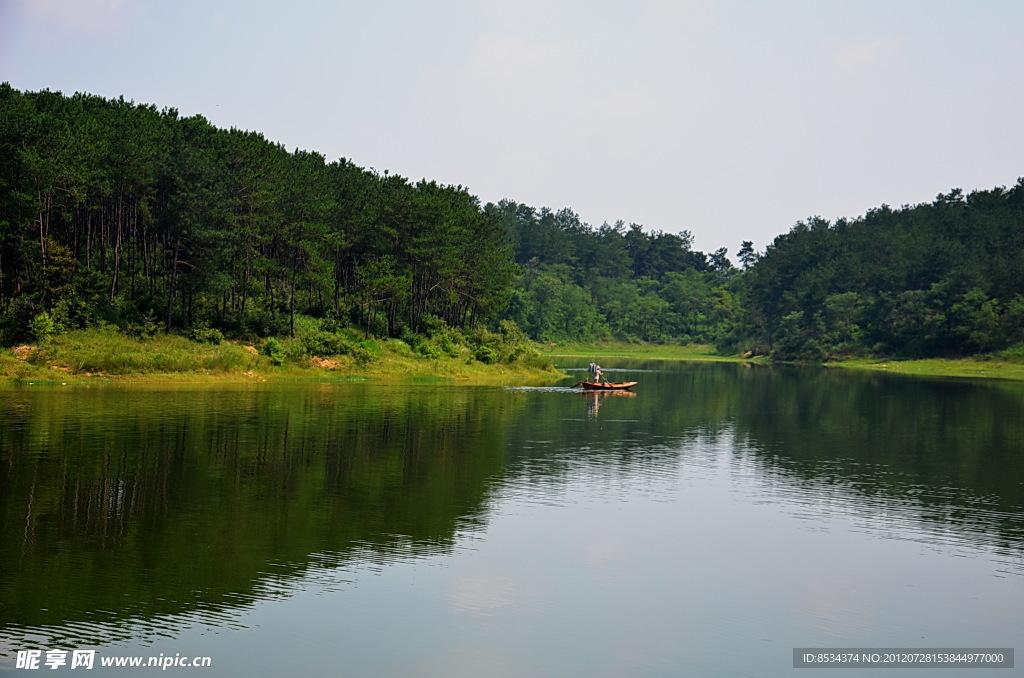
{"x": 129, "y": 505}
{"x": 130, "y": 515}
{"x": 595, "y": 398}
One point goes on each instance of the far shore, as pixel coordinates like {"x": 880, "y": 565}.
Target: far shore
{"x": 176, "y": 361}
{"x": 982, "y": 367}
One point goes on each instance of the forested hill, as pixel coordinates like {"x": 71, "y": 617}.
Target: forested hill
{"x": 118, "y": 213}
{"x": 124, "y": 214}
{"x": 938, "y": 279}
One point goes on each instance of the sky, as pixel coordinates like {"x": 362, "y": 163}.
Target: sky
{"x": 730, "y": 119}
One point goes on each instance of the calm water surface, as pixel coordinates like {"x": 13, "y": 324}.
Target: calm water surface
{"x": 707, "y": 525}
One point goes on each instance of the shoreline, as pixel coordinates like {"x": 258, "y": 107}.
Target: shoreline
{"x": 960, "y": 368}
{"x": 108, "y": 358}
{"x": 242, "y": 365}
{"x": 430, "y": 372}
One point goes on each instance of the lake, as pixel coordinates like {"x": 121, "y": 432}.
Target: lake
{"x": 709, "y": 524}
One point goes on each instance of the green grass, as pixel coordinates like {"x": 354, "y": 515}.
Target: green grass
{"x": 105, "y": 353}
{"x": 12, "y": 367}
{"x": 1005, "y": 365}
{"x": 611, "y": 349}
{"x": 983, "y": 367}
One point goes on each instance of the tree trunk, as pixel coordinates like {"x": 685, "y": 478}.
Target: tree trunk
{"x": 174, "y": 283}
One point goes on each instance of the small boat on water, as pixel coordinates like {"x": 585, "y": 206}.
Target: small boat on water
{"x": 607, "y": 385}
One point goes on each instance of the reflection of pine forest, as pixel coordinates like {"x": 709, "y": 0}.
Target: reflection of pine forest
{"x": 193, "y": 498}
{"x": 118, "y": 214}
{"x": 188, "y": 498}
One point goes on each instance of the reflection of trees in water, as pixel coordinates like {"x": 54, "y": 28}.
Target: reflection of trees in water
{"x": 948, "y": 454}
{"x": 195, "y": 503}
{"x": 124, "y": 505}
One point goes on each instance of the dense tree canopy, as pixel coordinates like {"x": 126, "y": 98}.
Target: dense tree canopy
{"x": 939, "y": 279}
{"x": 581, "y": 283}
{"x": 119, "y": 213}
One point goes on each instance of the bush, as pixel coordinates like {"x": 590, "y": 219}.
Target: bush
{"x": 413, "y": 340}
{"x": 274, "y": 351}
{"x": 362, "y": 355}
{"x": 1014, "y": 354}
{"x": 145, "y": 328}
{"x": 325, "y": 343}
{"x": 430, "y": 350}
{"x": 42, "y": 327}
{"x": 444, "y": 340}
{"x": 398, "y": 346}
{"x": 206, "y": 335}
{"x": 486, "y": 355}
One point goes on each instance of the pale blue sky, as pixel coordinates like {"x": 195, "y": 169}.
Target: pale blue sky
{"x": 731, "y": 119}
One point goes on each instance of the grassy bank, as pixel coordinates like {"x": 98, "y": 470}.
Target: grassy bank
{"x": 1007, "y": 365}
{"x": 105, "y": 354}
{"x": 977, "y": 368}
{"x": 628, "y": 350}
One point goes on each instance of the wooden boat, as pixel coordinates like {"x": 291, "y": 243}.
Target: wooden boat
{"x": 607, "y": 385}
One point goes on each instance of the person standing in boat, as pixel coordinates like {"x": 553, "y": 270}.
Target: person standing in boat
{"x": 596, "y": 374}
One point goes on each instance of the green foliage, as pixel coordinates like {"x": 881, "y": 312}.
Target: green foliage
{"x": 1014, "y": 354}
{"x": 275, "y": 351}
{"x": 224, "y": 230}
{"x": 486, "y": 354}
{"x": 585, "y": 284}
{"x": 144, "y": 328}
{"x": 206, "y": 335}
{"x": 934, "y": 280}
{"x": 326, "y": 344}
{"x": 105, "y": 350}
{"x": 42, "y": 327}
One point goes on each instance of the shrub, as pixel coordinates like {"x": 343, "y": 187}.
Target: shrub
{"x": 274, "y": 351}
{"x": 206, "y": 335}
{"x": 325, "y": 343}
{"x": 262, "y": 324}
{"x": 398, "y": 346}
{"x": 1014, "y": 354}
{"x": 486, "y": 355}
{"x": 42, "y": 327}
{"x": 413, "y": 340}
{"x": 145, "y": 328}
{"x": 362, "y": 355}
{"x": 429, "y": 350}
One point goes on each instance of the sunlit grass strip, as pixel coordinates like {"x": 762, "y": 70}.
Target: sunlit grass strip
{"x": 108, "y": 352}
{"x": 628, "y": 350}
{"x": 105, "y": 353}
{"x": 937, "y": 367}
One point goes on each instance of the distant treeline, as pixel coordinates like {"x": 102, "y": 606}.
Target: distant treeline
{"x": 580, "y": 283}
{"x": 119, "y": 213}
